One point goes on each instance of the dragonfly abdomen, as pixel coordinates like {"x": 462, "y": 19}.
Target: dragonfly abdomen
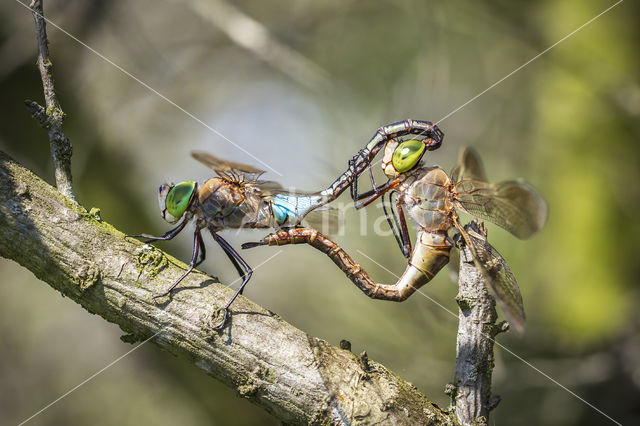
{"x": 431, "y": 252}
{"x": 290, "y": 209}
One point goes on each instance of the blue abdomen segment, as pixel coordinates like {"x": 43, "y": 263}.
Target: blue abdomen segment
{"x": 289, "y": 209}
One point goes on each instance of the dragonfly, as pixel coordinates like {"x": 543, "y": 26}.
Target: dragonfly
{"x": 432, "y": 198}
{"x": 237, "y": 198}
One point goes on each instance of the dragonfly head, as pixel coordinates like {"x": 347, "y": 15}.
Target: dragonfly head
{"x": 400, "y": 157}
{"x": 175, "y": 199}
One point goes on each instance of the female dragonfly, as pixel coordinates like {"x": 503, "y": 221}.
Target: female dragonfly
{"x": 431, "y": 198}
{"x": 236, "y": 198}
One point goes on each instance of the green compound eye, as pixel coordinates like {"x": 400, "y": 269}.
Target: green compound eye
{"x": 407, "y": 154}
{"x": 179, "y": 196}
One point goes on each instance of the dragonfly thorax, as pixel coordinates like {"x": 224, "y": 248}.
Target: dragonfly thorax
{"x": 427, "y": 195}
{"x": 224, "y": 203}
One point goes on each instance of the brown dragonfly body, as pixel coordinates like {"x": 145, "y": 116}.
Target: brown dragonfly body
{"x": 224, "y": 204}
{"x": 237, "y": 198}
{"x": 428, "y": 196}
{"x": 431, "y": 198}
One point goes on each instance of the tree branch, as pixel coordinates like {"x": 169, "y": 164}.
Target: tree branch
{"x": 52, "y": 116}
{"x": 298, "y": 378}
{"x": 471, "y": 391}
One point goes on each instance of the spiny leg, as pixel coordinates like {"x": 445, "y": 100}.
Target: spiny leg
{"x": 167, "y": 236}
{"x": 203, "y": 252}
{"x": 412, "y": 278}
{"x": 404, "y": 231}
{"x": 377, "y": 193}
{"x": 197, "y": 243}
{"x": 399, "y": 229}
{"x": 369, "y": 193}
{"x": 246, "y": 272}
{"x": 233, "y": 260}
{"x": 365, "y": 156}
{"x": 373, "y": 181}
{"x": 394, "y": 225}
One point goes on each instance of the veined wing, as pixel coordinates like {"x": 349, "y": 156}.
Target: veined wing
{"x": 290, "y": 207}
{"x": 230, "y": 170}
{"x": 469, "y": 166}
{"x": 267, "y": 187}
{"x": 513, "y": 205}
{"x": 325, "y": 219}
{"x": 499, "y": 279}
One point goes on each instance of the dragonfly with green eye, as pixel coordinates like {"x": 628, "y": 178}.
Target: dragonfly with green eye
{"x": 431, "y": 198}
{"x": 236, "y": 198}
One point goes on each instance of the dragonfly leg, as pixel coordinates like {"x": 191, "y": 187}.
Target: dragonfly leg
{"x": 353, "y": 188}
{"x": 404, "y": 231}
{"x": 394, "y": 225}
{"x": 203, "y": 252}
{"x": 426, "y": 261}
{"x": 373, "y": 181}
{"x": 197, "y": 242}
{"x": 243, "y": 268}
{"x": 365, "y": 156}
{"x": 232, "y": 257}
{"x": 167, "y": 236}
{"x": 369, "y": 193}
{"x": 377, "y": 193}
{"x": 399, "y": 228}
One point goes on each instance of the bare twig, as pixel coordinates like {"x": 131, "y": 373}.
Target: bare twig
{"x": 52, "y": 116}
{"x": 298, "y": 378}
{"x": 471, "y": 391}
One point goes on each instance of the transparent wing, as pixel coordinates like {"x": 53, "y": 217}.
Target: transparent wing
{"x": 513, "y": 205}
{"x": 228, "y": 169}
{"x": 324, "y": 219}
{"x": 294, "y": 192}
{"x": 499, "y": 279}
{"x": 267, "y": 187}
{"x": 469, "y": 166}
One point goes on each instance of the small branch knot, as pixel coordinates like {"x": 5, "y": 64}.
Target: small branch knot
{"x": 345, "y": 344}
{"x": 363, "y": 360}
{"x": 494, "y": 401}
{"x": 464, "y": 303}
{"x": 501, "y": 327}
{"x": 451, "y": 390}
{"x": 38, "y": 112}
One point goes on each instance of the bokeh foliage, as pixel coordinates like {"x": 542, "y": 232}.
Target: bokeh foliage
{"x": 568, "y": 123}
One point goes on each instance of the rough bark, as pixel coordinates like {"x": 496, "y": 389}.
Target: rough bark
{"x": 51, "y": 116}
{"x": 471, "y": 390}
{"x": 296, "y": 377}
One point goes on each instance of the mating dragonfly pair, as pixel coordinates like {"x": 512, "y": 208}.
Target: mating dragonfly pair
{"x": 237, "y": 198}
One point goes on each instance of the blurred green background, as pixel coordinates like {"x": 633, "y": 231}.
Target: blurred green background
{"x": 302, "y": 85}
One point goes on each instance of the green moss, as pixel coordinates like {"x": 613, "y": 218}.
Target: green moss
{"x": 150, "y": 261}
{"x": 95, "y": 213}
{"x": 248, "y": 387}
{"x": 488, "y": 329}
{"x": 85, "y": 277}
{"x": 464, "y": 303}
{"x": 269, "y": 375}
